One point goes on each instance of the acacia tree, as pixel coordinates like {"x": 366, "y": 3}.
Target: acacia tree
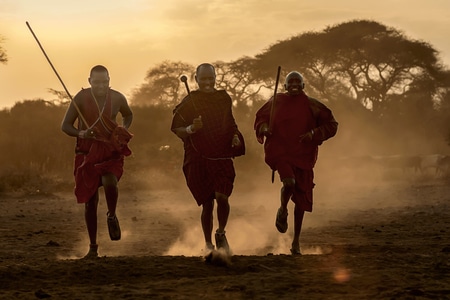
{"x": 368, "y": 61}
{"x": 397, "y": 80}
{"x": 162, "y": 85}
{"x": 239, "y": 80}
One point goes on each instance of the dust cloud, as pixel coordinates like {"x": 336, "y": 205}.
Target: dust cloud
{"x": 351, "y": 174}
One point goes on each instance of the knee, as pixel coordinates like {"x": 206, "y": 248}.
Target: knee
{"x": 221, "y": 199}
{"x": 109, "y": 181}
{"x": 208, "y": 206}
{"x": 288, "y": 183}
{"x": 91, "y": 205}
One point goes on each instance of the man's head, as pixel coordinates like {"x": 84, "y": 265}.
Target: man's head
{"x": 294, "y": 83}
{"x": 99, "y": 80}
{"x": 205, "y": 76}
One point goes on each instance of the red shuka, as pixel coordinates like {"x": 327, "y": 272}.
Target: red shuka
{"x": 292, "y": 117}
{"x": 104, "y": 154}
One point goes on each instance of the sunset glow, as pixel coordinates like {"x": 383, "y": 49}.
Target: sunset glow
{"x": 129, "y": 37}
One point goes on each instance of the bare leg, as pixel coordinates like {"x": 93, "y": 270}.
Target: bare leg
{"x": 90, "y": 215}
{"x": 286, "y": 192}
{"x": 207, "y": 220}
{"x": 298, "y": 220}
{"x": 223, "y": 211}
{"x": 109, "y": 182}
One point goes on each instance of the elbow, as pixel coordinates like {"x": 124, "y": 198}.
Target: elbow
{"x": 65, "y": 128}
{"x": 333, "y": 130}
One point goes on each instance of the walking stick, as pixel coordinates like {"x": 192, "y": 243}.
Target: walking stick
{"x": 57, "y": 75}
{"x": 183, "y": 79}
{"x": 274, "y": 99}
{"x": 272, "y": 109}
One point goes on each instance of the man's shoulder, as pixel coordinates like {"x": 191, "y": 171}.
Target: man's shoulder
{"x": 317, "y": 106}
{"x": 223, "y": 94}
{"x": 81, "y": 95}
{"x": 315, "y": 102}
{"x": 282, "y": 95}
{"x": 217, "y": 94}
{"x": 180, "y": 106}
{"x": 116, "y": 94}
{"x": 81, "y": 92}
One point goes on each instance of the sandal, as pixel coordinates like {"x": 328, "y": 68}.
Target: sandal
{"x": 295, "y": 251}
{"x": 281, "y": 221}
{"x": 113, "y": 227}
{"x": 221, "y": 241}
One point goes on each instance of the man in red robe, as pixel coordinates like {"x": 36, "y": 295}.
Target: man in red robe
{"x": 100, "y": 149}
{"x": 294, "y": 128}
{"x": 205, "y": 122}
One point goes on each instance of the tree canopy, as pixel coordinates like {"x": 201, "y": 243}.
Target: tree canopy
{"x": 3, "y": 56}
{"x": 361, "y": 60}
{"x": 162, "y": 85}
{"x": 372, "y": 73}
{"x": 389, "y": 93}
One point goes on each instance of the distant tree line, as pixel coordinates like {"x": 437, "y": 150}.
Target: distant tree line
{"x": 389, "y": 93}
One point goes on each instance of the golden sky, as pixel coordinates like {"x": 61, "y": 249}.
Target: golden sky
{"x": 131, "y": 36}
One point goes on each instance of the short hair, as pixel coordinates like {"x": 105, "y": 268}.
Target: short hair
{"x": 204, "y": 65}
{"x": 99, "y": 68}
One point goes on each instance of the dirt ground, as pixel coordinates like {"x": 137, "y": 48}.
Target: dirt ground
{"x": 366, "y": 239}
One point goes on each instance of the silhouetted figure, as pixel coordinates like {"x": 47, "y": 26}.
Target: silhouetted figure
{"x": 100, "y": 149}
{"x": 294, "y": 129}
{"x": 205, "y": 122}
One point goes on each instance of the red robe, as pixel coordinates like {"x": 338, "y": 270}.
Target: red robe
{"x": 208, "y": 166}
{"x": 104, "y": 154}
{"x": 292, "y": 117}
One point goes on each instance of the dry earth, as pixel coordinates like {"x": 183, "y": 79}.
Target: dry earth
{"x": 377, "y": 239}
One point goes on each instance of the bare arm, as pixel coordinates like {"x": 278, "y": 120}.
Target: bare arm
{"x": 120, "y": 104}
{"x": 67, "y": 125}
{"x": 127, "y": 115}
{"x": 68, "y": 122}
{"x": 181, "y": 132}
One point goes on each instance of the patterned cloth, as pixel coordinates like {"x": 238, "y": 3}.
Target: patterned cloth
{"x": 292, "y": 117}
{"x": 208, "y": 165}
{"x": 104, "y": 154}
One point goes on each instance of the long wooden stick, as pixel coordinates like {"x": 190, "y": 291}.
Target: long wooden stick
{"x": 274, "y": 99}
{"x": 272, "y": 109}
{"x": 57, "y": 75}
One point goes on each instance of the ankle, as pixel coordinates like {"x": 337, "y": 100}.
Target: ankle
{"x": 220, "y": 231}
